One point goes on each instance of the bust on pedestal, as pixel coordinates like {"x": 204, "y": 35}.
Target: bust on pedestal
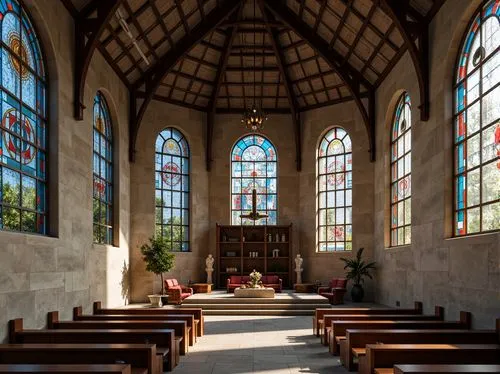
{"x": 209, "y": 263}
{"x": 298, "y": 268}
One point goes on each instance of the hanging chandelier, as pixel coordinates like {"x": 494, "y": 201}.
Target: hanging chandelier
{"x": 254, "y": 117}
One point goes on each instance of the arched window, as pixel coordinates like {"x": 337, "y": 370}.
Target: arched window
{"x": 23, "y": 130}
{"x": 254, "y": 166}
{"x": 401, "y": 173}
{"x": 334, "y": 178}
{"x": 103, "y": 172}
{"x": 172, "y": 189}
{"x": 477, "y": 126}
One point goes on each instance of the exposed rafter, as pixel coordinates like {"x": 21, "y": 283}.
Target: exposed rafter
{"x": 88, "y": 29}
{"x": 416, "y": 38}
{"x": 219, "y": 78}
{"x": 280, "y": 58}
{"x": 350, "y": 76}
{"x": 155, "y": 75}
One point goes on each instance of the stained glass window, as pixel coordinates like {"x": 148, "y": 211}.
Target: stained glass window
{"x": 254, "y": 166}
{"x": 477, "y": 126}
{"x": 103, "y": 172}
{"x": 23, "y": 130}
{"x": 401, "y": 173}
{"x": 172, "y": 188}
{"x": 334, "y": 186}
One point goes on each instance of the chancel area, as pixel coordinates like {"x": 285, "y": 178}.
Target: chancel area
{"x": 250, "y": 186}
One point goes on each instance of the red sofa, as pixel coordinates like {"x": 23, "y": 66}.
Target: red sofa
{"x": 335, "y": 291}
{"x": 269, "y": 281}
{"x": 176, "y": 292}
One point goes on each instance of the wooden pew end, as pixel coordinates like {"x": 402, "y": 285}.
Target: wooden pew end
{"x": 52, "y": 319}
{"x": 15, "y": 326}
{"x": 466, "y": 318}
{"x": 97, "y": 306}
{"x": 77, "y": 312}
{"x": 439, "y": 312}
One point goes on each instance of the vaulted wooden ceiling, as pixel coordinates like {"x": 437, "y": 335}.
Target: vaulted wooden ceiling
{"x": 220, "y": 55}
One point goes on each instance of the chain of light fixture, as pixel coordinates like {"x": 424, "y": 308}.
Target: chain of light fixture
{"x": 254, "y": 117}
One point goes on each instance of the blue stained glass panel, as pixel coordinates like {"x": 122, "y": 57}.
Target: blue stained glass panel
{"x": 253, "y": 166}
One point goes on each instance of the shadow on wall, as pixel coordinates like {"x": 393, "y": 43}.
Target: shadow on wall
{"x": 125, "y": 283}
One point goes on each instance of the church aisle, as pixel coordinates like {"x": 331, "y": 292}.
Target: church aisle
{"x": 258, "y": 344}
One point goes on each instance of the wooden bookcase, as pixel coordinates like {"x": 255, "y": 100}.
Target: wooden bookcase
{"x": 236, "y": 245}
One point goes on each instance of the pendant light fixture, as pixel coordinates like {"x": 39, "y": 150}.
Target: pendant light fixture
{"x": 254, "y": 117}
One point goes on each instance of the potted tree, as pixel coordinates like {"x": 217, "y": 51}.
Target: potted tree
{"x": 357, "y": 271}
{"x": 159, "y": 259}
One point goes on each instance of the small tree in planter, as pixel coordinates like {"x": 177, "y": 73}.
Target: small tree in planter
{"x": 357, "y": 271}
{"x": 159, "y": 259}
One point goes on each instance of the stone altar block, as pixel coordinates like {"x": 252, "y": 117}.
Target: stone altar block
{"x": 258, "y": 293}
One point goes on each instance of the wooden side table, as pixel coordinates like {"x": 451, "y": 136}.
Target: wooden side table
{"x": 202, "y": 287}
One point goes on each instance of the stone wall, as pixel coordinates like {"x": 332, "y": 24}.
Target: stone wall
{"x": 188, "y": 265}
{"x": 457, "y": 273}
{"x": 57, "y": 272}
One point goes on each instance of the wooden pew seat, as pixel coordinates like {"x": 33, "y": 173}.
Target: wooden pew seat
{"x": 446, "y": 369}
{"x": 139, "y": 356}
{"x": 163, "y": 338}
{"x": 320, "y": 312}
{"x": 76, "y": 369}
{"x": 385, "y": 356}
{"x": 192, "y": 323}
{"x": 359, "y": 338}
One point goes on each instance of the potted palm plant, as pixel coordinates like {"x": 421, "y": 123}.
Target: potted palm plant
{"x": 357, "y": 270}
{"x": 159, "y": 259}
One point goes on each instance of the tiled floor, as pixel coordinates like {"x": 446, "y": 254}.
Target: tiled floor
{"x": 258, "y": 344}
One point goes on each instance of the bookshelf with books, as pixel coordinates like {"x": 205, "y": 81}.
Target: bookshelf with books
{"x": 267, "y": 249}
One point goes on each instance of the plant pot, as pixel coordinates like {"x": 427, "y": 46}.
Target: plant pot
{"x": 155, "y": 301}
{"x": 357, "y": 293}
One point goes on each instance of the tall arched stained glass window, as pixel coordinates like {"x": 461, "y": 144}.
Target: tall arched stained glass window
{"x": 334, "y": 178}
{"x": 254, "y": 166}
{"x": 477, "y": 125}
{"x": 103, "y": 172}
{"x": 172, "y": 189}
{"x": 23, "y": 130}
{"x": 401, "y": 173}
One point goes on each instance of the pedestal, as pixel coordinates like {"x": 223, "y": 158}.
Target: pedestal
{"x": 209, "y": 275}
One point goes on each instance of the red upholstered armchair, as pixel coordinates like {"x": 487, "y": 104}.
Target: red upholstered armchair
{"x": 176, "y": 292}
{"x": 335, "y": 291}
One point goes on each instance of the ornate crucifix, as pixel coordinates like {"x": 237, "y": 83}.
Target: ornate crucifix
{"x": 254, "y": 215}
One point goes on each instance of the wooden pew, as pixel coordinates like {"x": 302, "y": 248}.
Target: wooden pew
{"x": 139, "y": 356}
{"x": 446, "y": 369}
{"x": 325, "y": 324}
{"x": 196, "y": 312}
{"x": 163, "y": 339}
{"x": 338, "y": 331}
{"x": 67, "y": 368}
{"x": 320, "y": 312}
{"x": 179, "y": 327}
{"x": 188, "y": 318}
{"x": 356, "y": 340}
{"x": 385, "y": 356}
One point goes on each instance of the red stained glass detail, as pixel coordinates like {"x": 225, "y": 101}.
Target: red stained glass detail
{"x": 171, "y": 174}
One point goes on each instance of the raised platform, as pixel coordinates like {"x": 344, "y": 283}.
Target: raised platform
{"x": 285, "y": 303}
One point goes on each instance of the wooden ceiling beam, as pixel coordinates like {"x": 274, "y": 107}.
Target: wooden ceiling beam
{"x": 398, "y": 10}
{"x": 153, "y": 77}
{"x": 349, "y": 75}
{"x": 243, "y": 110}
{"x": 86, "y": 42}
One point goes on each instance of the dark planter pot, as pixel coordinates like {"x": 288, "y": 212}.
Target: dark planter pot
{"x": 164, "y": 299}
{"x": 357, "y": 293}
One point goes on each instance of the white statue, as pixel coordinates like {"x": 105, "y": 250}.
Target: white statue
{"x": 209, "y": 263}
{"x": 298, "y": 268}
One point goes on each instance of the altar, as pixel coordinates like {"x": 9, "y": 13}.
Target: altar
{"x": 256, "y": 293}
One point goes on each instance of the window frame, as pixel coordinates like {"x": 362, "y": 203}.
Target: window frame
{"x": 264, "y": 221}
{"x": 182, "y": 140}
{"x": 100, "y": 100}
{"x": 478, "y": 15}
{"x": 344, "y": 172}
{"x": 42, "y": 84}
{"x": 404, "y": 101}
